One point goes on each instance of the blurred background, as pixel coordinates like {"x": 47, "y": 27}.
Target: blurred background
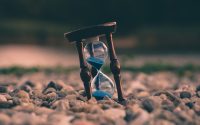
{"x": 31, "y": 31}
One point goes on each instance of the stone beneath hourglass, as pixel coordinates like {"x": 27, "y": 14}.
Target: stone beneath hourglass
{"x": 96, "y": 53}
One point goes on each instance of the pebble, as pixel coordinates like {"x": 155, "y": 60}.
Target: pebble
{"x": 3, "y": 89}
{"x": 80, "y": 97}
{"x": 61, "y": 105}
{"x": 189, "y": 104}
{"x": 114, "y": 113}
{"x": 198, "y": 88}
{"x": 22, "y": 94}
{"x": 130, "y": 115}
{"x": 61, "y": 94}
{"x": 105, "y": 106}
{"x": 92, "y": 101}
{"x": 148, "y": 105}
{"x": 141, "y": 119}
{"x": 26, "y": 88}
{"x": 49, "y": 90}
{"x": 51, "y": 97}
{"x": 3, "y": 98}
{"x": 29, "y": 83}
{"x": 185, "y": 94}
{"x": 45, "y": 104}
{"x": 38, "y": 94}
{"x": 6, "y": 104}
{"x": 59, "y": 119}
{"x": 93, "y": 109}
{"x": 198, "y": 94}
{"x": 4, "y": 119}
{"x": 83, "y": 122}
{"x": 54, "y": 85}
{"x": 143, "y": 94}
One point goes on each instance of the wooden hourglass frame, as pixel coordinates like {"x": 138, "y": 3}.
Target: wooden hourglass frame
{"x": 78, "y": 36}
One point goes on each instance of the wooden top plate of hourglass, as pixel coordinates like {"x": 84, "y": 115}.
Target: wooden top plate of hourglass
{"x": 91, "y": 31}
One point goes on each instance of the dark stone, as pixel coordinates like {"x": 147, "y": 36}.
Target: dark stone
{"x": 26, "y": 88}
{"x": 6, "y": 105}
{"x": 189, "y": 104}
{"x": 198, "y": 88}
{"x": 61, "y": 94}
{"x": 31, "y": 84}
{"x": 130, "y": 115}
{"x": 45, "y": 104}
{"x": 54, "y": 85}
{"x": 185, "y": 94}
{"x": 3, "y": 89}
{"x": 148, "y": 105}
{"x": 198, "y": 94}
{"x": 105, "y": 106}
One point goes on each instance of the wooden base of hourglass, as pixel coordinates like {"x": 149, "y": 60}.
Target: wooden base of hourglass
{"x": 115, "y": 66}
{"x": 85, "y": 72}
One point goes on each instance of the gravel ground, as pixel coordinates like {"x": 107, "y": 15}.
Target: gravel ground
{"x": 159, "y": 98}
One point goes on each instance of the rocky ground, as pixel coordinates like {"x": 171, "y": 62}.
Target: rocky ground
{"x": 158, "y": 98}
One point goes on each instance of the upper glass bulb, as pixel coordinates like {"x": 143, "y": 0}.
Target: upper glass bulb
{"x": 96, "y": 53}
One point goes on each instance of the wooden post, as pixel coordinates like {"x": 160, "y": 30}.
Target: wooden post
{"x": 85, "y": 72}
{"x": 114, "y": 66}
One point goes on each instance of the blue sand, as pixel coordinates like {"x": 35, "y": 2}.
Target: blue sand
{"x": 99, "y": 94}
{"x": 97, "y": 63}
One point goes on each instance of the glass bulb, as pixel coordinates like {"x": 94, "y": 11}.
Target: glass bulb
{"x": 95, "y": 54}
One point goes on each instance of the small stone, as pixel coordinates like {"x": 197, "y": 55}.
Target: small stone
{"x": 29, "y": 83}
{"x": 185, "y": 94}
{"x": 130, "y": 115}
{"x": 105, "y": 106}
{"x": 68, "y": 88}
{"x": 51, "y": 96}
{"x": 22, "y": 94}
{"x": 45, "y": 104}
{"x": 8, "y": 97}
{"x": 3, "y": 89}
{"x": 69, "y": 91}
{"x": 93, "y": 109}
{"x": 26, "y": 88}
{"x": 5, "y": 105}
{"x": 92, "y": 101}
{"x": 42, "y": 110}
{"x": 82, "y": 92}
{"x": 54, "y": 85}
{"x": 114, "y": 113}
{"x": 198, "y": 94}
{"x": 198, "y": 88}
{"x": 38, "y": 94}
{"x": 59, "y": 119}
{"x": 25, "y": 108}
{"x": 83, "y": 122}
{"x": 3, "y": 98}
{"x": 61, "y": 105}
{"x": 189, "y": 104}
{"x": 80, "y": 97}
{"x": 49, "y": 90}
{"x": 16, "y": 101}
{"x": 148, "y": 105}
{"x": 4, "y": 119}
{"x": 142, "y": 94}
{"x": 141, "y": 119}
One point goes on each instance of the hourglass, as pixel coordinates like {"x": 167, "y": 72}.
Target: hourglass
{"x": 93, "y": 56}
{"x": 95, "y": 53}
